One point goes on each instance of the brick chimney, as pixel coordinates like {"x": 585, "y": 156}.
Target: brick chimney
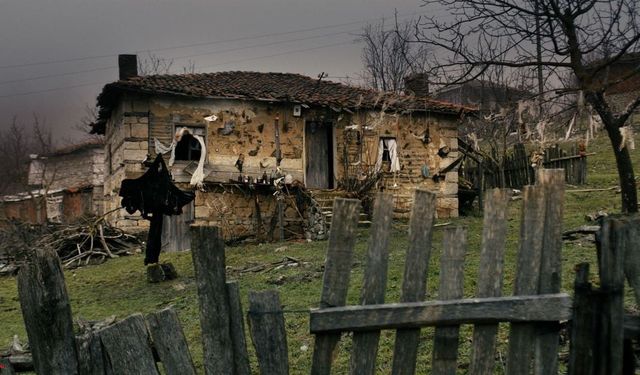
{"x": 128, "y": 66}
{"x": 417, "y": 84}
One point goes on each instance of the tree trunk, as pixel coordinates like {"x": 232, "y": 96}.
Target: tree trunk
{"x": 626, "y": 176}
{"x": 628, "y": 187}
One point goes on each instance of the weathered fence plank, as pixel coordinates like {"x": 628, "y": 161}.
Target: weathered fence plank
{"x": 266, "y": 322}
{"x": 414, "y": 284}
{"x": 445, "y": 344}
{"x": 611, "y": 249}
{"x": 490, "y": 310}
{"x": 365, "y": 344}
{"x": 207, "y": 251}
{"x": 240, "y": 355}
{"x": 527, "y": 276}
{"x": 170, "y": 343}
{"x": 91, "y": 359}
{"x": 494, "y": 234}
{"x": 336, "y": 276}
{"x": 632, "y": 256}
{"x": 47, "y": 314}
{"x": 127, "y": 348}
{"x": 581, "y": 351}
{"x": 548, "y": 335}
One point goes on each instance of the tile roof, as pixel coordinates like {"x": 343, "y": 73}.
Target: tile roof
{"x": 276, "y": 87}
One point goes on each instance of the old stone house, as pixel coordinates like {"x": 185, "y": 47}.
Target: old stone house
{"x": 229, "y": 133}
{"x": 65, "y": 185}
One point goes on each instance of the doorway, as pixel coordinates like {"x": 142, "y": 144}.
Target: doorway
{"x": 319, "y": 154}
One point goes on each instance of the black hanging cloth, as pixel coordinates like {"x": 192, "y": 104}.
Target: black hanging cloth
{"x": 154, "y": 195}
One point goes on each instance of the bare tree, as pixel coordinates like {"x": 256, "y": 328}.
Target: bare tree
{"x": 85, "y": 124}
{"x": 16, "y": 144}
{"x": 152, "y": 64}
{"x": 584, "y": 37}
{"x": 389, "y": 55}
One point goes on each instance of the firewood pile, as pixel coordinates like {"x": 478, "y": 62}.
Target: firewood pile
{"x": 91, "y": 241}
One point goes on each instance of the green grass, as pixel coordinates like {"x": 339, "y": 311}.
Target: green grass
{"x": 119, "y": 287}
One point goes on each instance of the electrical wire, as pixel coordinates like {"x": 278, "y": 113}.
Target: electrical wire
{"x": 83, "y": 58}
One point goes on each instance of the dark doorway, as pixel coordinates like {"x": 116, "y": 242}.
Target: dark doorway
{"x": 319, "y": 154}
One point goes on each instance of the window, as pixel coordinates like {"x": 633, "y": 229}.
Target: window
{"x": 387, "y": 155}
{"x": 385, "y": 152}
{"x": 189, "y": 148}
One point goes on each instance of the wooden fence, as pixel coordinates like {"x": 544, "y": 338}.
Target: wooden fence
{"x": 518, "y": 170}
{"x": 599, "y": 337}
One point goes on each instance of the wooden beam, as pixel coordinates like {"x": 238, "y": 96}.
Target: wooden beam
{"x": 546, "y": 307}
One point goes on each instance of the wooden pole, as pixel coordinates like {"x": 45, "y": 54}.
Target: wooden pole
{"x": 236, "y": 317}
{"x": 414, "y": 283}
{"x": 207, "y": 251}
{"x": 278, "y": 160}
{"x": 126, "y": 344}
{"x": 365, "y": 344}
{"x": 170, "y": 343}
{"x": 612, "y": 246}
{"x": 335, "y": 281}
{"x": 47, "y": 314}
{"x": 583, "y": 326}
{"x": 266, "y": 322}
{"x": 548, "y": 339}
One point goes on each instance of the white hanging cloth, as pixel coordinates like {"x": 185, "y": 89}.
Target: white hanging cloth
{"x": 392, "y": 146}
{"x": 380, "y": 154}
{"x": 393, "y": 155}
{"x": 162, "y": 149}
{"x": 198, "y": 175}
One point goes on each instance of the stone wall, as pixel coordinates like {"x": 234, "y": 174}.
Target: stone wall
{"x": 77, "y": 169}
{"x": 244, "y": 213}
{"x": 126, "y": 146}
{"x": 248, "y": 128}
{"x": 357, "y": 152}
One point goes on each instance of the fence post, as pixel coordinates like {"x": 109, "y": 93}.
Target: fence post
{"x": 47, "y": 314}
{"x": 611, "y": 249}
{"x": 494, "y": 235}
{"x": 335, "y": 281}
{"x": 91, "y": 358}
{"x": 446, "y": 338}
{"x": 583, "y": 326}
{"x": 365, "y": 344}
{"x": 268, "y": 332}
{"x": 127, "y": 347}
{"x": 548, "y": 340}
{"x": 527, "y": 276}
{"x": 207, "y": 251}
{"x": 414, "y": 282}
{"x": 236, "y": 317}
{"x": 170, "y": 343}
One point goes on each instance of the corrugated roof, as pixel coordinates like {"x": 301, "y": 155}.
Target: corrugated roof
{"x": 275, "y": 87}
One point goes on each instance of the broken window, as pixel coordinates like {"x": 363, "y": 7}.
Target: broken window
{"x": 188, "y": 148}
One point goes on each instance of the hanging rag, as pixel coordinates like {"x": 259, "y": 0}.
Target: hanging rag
{"x": 198, "y": 175}
{"x": 154, "y": 195}
{"x": 390, "y": 145}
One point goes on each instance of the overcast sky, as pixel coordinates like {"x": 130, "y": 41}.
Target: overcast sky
{"x": 216, "y": 35}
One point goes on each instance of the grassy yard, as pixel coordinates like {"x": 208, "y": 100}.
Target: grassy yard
{"x": 118, "y": 287}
